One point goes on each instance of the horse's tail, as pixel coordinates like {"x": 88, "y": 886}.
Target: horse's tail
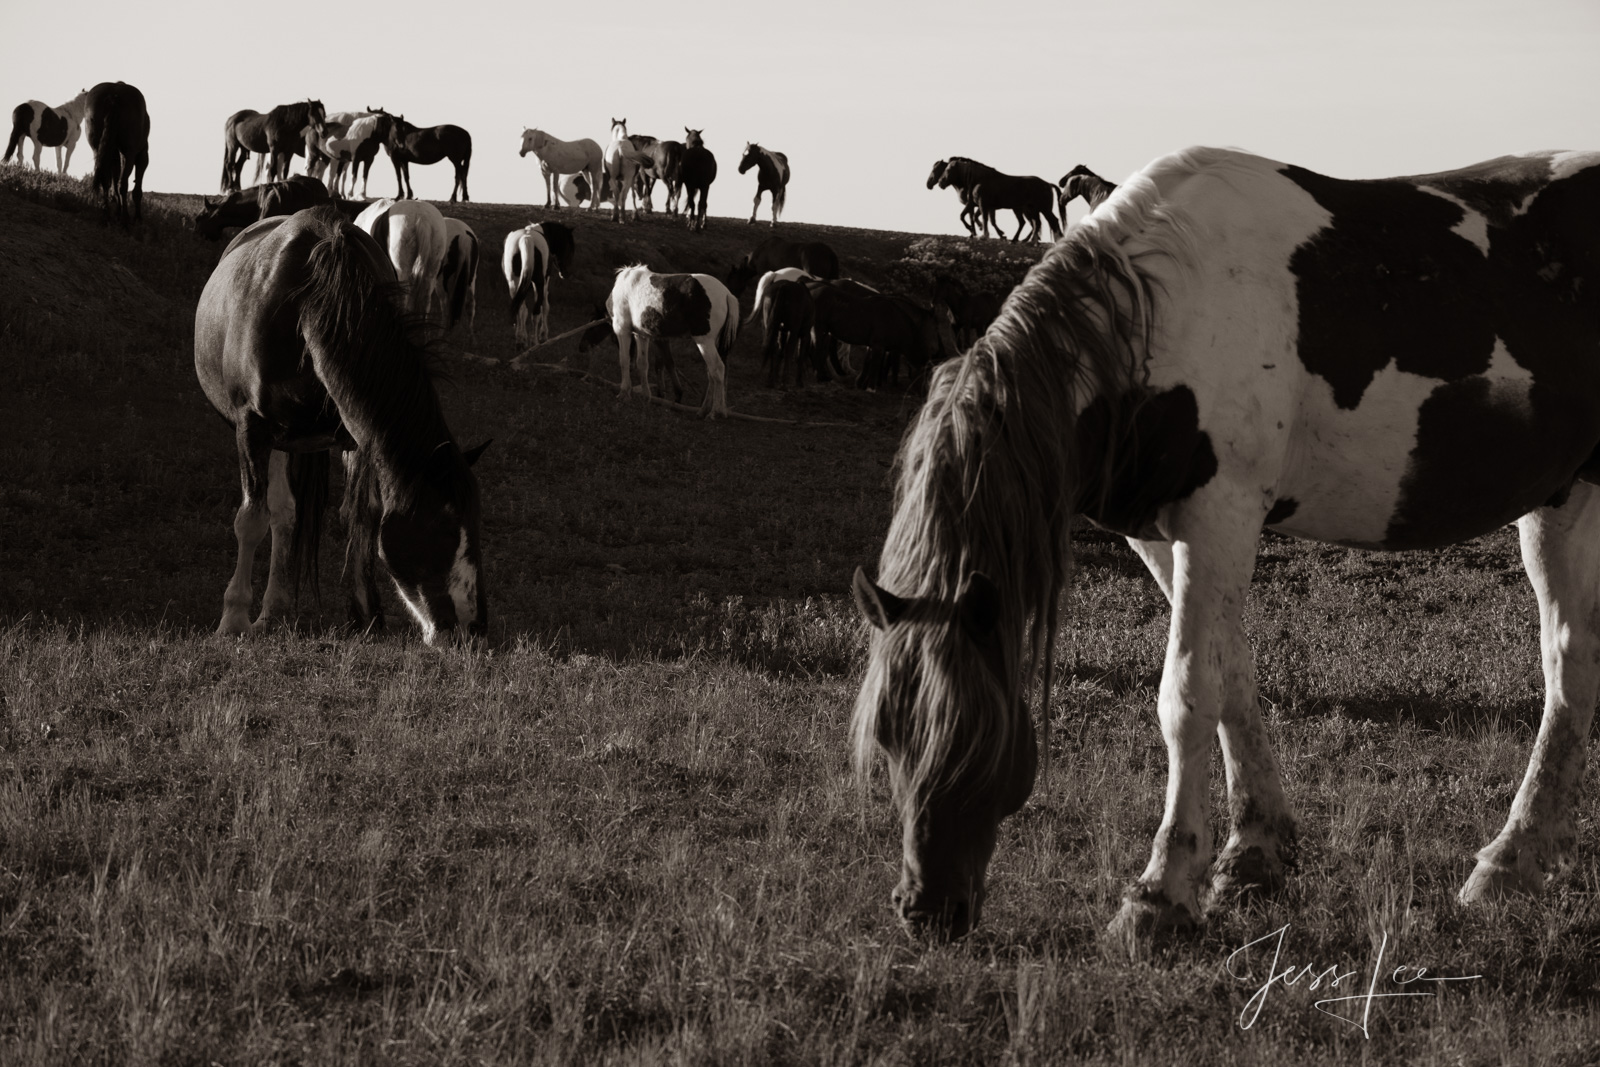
{"x": 21, "y": 119}
{"x": 308, "y": 480}
{"x": 466, "y": 274}
{"x": 227, "y": 163}
{"x": 730, "y": 327}
{"x": 107, "y": 148}
{"x": 529, "y": 282}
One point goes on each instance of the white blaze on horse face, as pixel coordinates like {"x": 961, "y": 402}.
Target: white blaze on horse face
{"x": 464, "y": 585}
{"x": 1473, "y": 226}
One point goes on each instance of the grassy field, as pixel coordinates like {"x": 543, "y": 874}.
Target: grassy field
{"x": 626, "y": 831}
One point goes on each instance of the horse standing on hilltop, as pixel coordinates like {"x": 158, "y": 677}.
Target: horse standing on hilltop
{"x": 646, "y": 306}
{"x": 414, "y": 235}
{"x": 301, "y": 346}
{"x": 990, "y": 190}
{"x": 1232, "y": 344}
{"x": 244, "y": 132}
{"x": 118, "y": 127}
{"x": 48, "y": 127}
{"x": 284, "y": 130}
{"x": 664, "y": 163}
{"x": 408, "y": 144}
{"x": 557, "y": 157}
{"x": 969, "y": 208}
{"x": 622, "y": 162}
{"x": 699, "y": 171}
{"x": 772, "y": 176}
{"x": 1081, "y": 181}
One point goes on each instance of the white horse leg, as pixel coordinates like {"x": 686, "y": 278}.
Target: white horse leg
{"x": 716, "y": 400}
{"x": 276, "y": 601}
{"x": 1561, "y": 552}
{"x": 1212, "y": 557}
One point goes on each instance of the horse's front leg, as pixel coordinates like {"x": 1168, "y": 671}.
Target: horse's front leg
{"x": 755, "y": 206}
{"x": 250, "y": 522}
{"x": 1212, "y": 557}
{"x": 1561, "y": 553}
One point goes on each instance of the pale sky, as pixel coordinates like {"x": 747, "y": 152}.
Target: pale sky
{"x": 862, "y": 96}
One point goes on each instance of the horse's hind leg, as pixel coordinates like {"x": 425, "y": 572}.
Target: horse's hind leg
{"x": 1561, "y": 552}
{"x": 716, "y": 399}
{"x": 276, "y": 601}
{"x": 361, "y": 511}
{"x": 250, "y": 522}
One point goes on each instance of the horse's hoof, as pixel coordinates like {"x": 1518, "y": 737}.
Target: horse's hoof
{"x": 1246, "y": 874}
{"x": 1512, "y": 873}
{"x": 1146, "y": 919}
{"x": 233, "y": 627}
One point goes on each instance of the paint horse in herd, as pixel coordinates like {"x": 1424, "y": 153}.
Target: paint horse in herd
{"x": 300, "y": 344}
{"x": 118, "y": 127}
{"x": 1081, "y": 181}
{"x": 557, "y": 157}
{"x": 1228, "y": 345}
{"x": 699, "y": 171}
{"x": 646, "y": 307}
{"x": 47, "y": 127}
{"x": 529, "y": 255}
{"x": 414, "y": 236}
{"x": 772, "y": 176}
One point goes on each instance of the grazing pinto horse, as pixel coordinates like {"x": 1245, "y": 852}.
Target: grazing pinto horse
{"x": 458, "y": 275}
{"x": 1228, "y": 344}
{"x": 413, "y": 233}
{"x": 557, "y": 157}
{"x": 1081, "y": 181}
{"x": 284, "y": 130}
{"x": 118, "y": 128}
{"x": 244, "y": 132}
{"x": 772, "y": 176}
{"x": 699, "y": 171}
{"x": 990, "y": 190}
{"x": 48, "y": 127}
{"x": 775, "y": 253}
{"x": 408, "y": 144}
{"x": 647, "y": 307}
{"x": 622, "y": 161}
{"x": 300, "y": 345}
{"x": 526, "y": 264}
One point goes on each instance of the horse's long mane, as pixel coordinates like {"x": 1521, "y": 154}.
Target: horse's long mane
{"x": 375, "y": 361}
{"x": 988, "y": 479}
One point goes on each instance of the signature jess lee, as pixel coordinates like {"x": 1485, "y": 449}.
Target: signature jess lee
{"x": 1331, "y": 978}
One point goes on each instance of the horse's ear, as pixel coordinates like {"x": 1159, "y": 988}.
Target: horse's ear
{"x": 978, "y": 606}
{"x": 471, "y": 455}
{"x": 878, "y": 606}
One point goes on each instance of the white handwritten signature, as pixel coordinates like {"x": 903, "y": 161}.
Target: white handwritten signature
{"x": 1330, "y": 978}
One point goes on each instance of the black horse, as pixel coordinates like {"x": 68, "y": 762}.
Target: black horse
{"x": 408, "y": 144}
{"x": 1081, "y": 181}
{"x": 699, "y": 171}
{"x": 789, "y": 315}
{"x": 285, "y": 134}
{"x": 241, "y": 208}
{"x": 775, "y": 253}
{"x": 666, "y": 166}
{"x": 969, "y": 209}
{"x": 970, "y": 313}
{"x": 991, "y": 190}
{"x": 244, "y": 132}
{"x": 888, "y": 326}
{"x": 118, "y": 127}
{"x": 772, "y": 176}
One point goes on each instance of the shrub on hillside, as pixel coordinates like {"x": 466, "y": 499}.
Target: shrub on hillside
{"x": 981, "y": 266}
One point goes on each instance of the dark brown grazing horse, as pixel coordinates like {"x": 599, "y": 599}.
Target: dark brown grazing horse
{"x": 408, "y": 144}
{"x": 889, "y": 326}
{"x": 118, "y": 128}
{"x": 285, "y": 134}
{"x": 666, "y": 165}
{"x": 775, "y": 253}
{"x": 699, "y": 171}
{"x": 772, "y": 176}
{"x": 970, "y": 313}
{"x": 990, "y": 190}
{"x": 300, "y": 344}
{"x": 244, "y": 132}
{"x": 239, "y": 209}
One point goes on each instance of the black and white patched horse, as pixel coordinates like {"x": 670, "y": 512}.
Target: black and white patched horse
{"x": 414, "y": 235}
{"x": 301, "y": 345}
{"x": 284, "y": 130}
{"x": 645, "y": 307}
{"x": 622, "y": 162}
{"x": 557, "y": 157}
{"x": 408, "y": 144}
{"x": 118, "y": 128}
{"x": 244, "y": 132}
{"x": 1081, "y": 181}
{"x": 458, "y": 275}
{"x": 772, "y": 177}
{"x": 699, "y": 171}
{"x": 987, "y": 190}
{"x": 775, "y": 253}
{"x": 525, "y": 262}
{"x": 1231, "y": 344}
{"x": 48, "y": 127}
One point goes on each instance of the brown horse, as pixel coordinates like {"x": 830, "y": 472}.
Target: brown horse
{"x": 772, "y": 176}
{"x": 408, "y": 144}
{"x": 118, "y": 127}
{"x": 699, "y": 171}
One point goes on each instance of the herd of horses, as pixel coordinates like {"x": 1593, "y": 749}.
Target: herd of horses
{"x": 1224, "y": 344}
{"x": 114, "y": 118}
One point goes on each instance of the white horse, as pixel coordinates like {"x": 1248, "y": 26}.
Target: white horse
{"x": 526, "y": 265}
{"x": 622, "y": 161}
{"x": 646, "y": 306}
{"x": 337, "y": 141}
{"x": 458, "y": 275}
{"x": 57, "y": 127}
{"x": 557, "y": 157}
{"x": 414, "y": 234}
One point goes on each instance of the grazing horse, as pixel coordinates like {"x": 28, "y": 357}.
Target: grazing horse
{"x": 970, "y": 313}
{"x": 772, "y": 176}
{"x": 408, "y": 144}
{"x": 665, "y": 163}
{"x": 646, "y": 307}
{"x": 413, "y": 233}
{"x": 990, "y": 190}
{"x": 1231, "y": 344}
{"x": 557, "y": 157}
{"x": 526, "y": 264}
{"x": 699, "y": 171}
{"x": 244, "y": 132}
{"x": 284, "y": 129}
{"x": 240, "y": 209}
{"x": 887, "y": 326}
{"x": 48, "y": 127}
{"x": 789, "y": 315}
{"x": 458, "y": 275}
{"x": 1081, "y": 181}
{"x": 300, "y": 345}
{"x": 622, "y": 161}
{"x": 118, "y": 127}
{"x": 969, "y": 208}
{"x": 775, "y": 253}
